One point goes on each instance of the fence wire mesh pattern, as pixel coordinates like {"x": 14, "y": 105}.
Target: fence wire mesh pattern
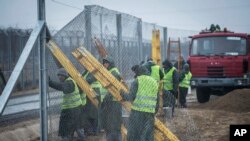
{"x": 127, "y": 40}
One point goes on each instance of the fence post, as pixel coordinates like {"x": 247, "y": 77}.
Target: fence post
{"x": 21, "y": 78}
{"x": 88, "y": 27}
{"x": 33, "y": 68}
{"x": 165, "y": 42}
{"x": 42, "y": 73}
{"x": 101, "y": 27}
{"x": 9, "y": 51}
{"x": 140, "y": 49}
{"x": 119, "y": 38}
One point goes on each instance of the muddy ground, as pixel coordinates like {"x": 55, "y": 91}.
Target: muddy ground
{"x": 198, "y": 122}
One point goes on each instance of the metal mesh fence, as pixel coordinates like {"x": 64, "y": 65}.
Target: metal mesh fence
{"x": 23, "y": 104}
{"x": 126, "y": 38}
{"x": 12, "y": 42}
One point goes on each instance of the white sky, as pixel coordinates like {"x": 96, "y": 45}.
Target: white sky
{"x": 179, "y": 14}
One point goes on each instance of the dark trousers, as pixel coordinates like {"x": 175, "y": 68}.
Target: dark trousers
{"x": 140, "y": 126}
{"x": 183, "y": 95}
{"x": 111, "y": 114}
{"x": 69, "y": 121}
{"x": 91, "y": 116}
{"x": 169, "y": 99}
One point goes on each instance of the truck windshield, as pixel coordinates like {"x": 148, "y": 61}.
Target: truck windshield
{"x": 229, "y": 45}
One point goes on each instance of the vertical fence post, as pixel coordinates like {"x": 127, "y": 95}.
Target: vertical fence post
{"x": 101, "y": 27}
{"x": 88, "y": 27}
{"x": 42, "y": 74}
{"x": 9, "y": 51}
{"x": 21, "y": 77}
{"x": 165, "y": 42}
{"x": 119, "y": 38}
{"x": 33, "y": 68}
{"x": 140, "y": 49}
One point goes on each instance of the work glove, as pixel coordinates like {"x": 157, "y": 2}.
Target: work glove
{"x": 123, "y": 95}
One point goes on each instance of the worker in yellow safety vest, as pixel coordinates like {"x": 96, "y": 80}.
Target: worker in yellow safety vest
{"x": 154, "y": 69}
{"x": 90, "y": 113}
{"x": 170, "y": 85}
{"x": 180, "y": 62}
{"x": 111, "y": 109}
{"x": 70, "y": 107}
{"x": 184, "y": 79}
{"x": 144, "y": 97}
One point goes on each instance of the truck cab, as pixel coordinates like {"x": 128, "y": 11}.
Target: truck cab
{"x": 219, "y": 62}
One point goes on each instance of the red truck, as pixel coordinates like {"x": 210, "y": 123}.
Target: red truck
{"x": 219, "y": 62}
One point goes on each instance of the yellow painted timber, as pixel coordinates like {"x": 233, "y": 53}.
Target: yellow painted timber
{"x": 70, "y": 68}
{"x": 156, "y": 56}
{"x": 101, "y": 74}
{"x": 160, "y": 126}
{"x": 156, "y": 47}
{"x": 158, "y": 135}
{"x": 105, "y": 78}
{"x": 114, "y": 86}
{"x": 124, "y": 133}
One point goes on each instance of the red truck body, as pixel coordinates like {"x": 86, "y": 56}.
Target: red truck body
{"x": 219, "y": 62}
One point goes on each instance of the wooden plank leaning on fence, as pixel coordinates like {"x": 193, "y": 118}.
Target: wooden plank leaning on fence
{"x": 114, "y": 86}
{"x": 73, "y": 72}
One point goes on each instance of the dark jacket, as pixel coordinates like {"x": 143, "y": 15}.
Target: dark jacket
{"x": 182, "y": 63}
{"x": 111, "y": 112}
{"x": 69, "y": 118}
{"x": 66, "y": 87}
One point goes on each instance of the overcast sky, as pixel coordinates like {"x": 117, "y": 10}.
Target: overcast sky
{"x": 179, "y": 14}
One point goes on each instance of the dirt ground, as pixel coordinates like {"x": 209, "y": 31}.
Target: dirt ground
{"x": 198, "y": 122}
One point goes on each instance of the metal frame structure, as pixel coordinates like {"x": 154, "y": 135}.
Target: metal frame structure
{"x": 39, "y": 34}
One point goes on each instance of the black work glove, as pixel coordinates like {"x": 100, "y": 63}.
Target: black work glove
{"x": 122, "y": 93}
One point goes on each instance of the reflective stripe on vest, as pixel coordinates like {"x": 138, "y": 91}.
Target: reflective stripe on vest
{"x": 103, "y": 93}
{"x": 155, "y": 72}
{"x": 146, "y": 96}
{"x": 168, "y": 79}
{"x": 114, "y": 70}
{"x": 73, "y": 99}
{"x": 186, "y": 81}
{"x": 83, "y": 94}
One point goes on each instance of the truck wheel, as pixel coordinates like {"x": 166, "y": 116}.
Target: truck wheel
{"x": 203, "y": 94}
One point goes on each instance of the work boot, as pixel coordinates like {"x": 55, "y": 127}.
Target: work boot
{"x": 81, "y": 135}
{"x": 184, "y": 105}
{"x": 167, "y": 113}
